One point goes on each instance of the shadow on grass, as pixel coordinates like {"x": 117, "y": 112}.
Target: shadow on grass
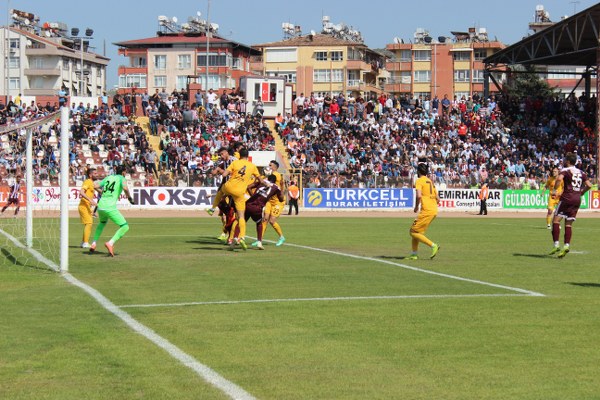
{"x": 393, "y": 257}
{"x": 220, "y": 248}
{"x": 532, "y": 255}
{"x": 205, "y": 240}
{"x": 14, "y": 261}
{"x": 584, "y": 284}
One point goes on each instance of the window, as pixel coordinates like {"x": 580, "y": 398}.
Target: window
{"x": 290, "y": 76}
{"x": 462, "y": 75}
{"x": 321, "y": 55}
{"x": 160, "y": 62}
{"x": 321, "y": 75}
{"x": 265, "y": 91}
{"x": 337, "y": 56}
{"x": 403, "y": 77}
{"x": 184, "y": 61}
{"x": 237, "y": 63}
{"x": 478, "y": 76}
{"x": 337, "y": 75}
{"x": 36, "y": 82}
{"x": 405, "y": 55}
{"x": 14, "y": 62}
{"x": 214, "y": 60}
{"x": 214, "y": 81}
{"x": 422, "y": 55}
{"x": 160, "y": 81}
{"x": 461, "y": 95}
{"x": 568, "y": 73}
{"x": 137, "y": 80}
{"x": 15, "y": 43}
{"x": 422, "y": 76}
{"x": 480, "y": 54}
{"x": 36, "y": 62}
{"x": 138, "y": 62}
{"x": 461, "y": 56}
{"x": 281, "y": 55}
{"x": 14, "y": 83}
{"x": 423, "y": 94}
{"x": 181, "y": 82}
{"x": 66, "y": 64}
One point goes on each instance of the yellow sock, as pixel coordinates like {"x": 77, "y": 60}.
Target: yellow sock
{"x": 421, "y": 238}
{"x": 415, "y": 245}
{"x": 277, "y": 229}
{"x": 232, "y": 231}
{"x": 264, "y": 227}
{"x": 242, "y": 225}
{"x": 87, "y": 231}
{"x": 217, "y": 199}
{"x": 548, "y": 219}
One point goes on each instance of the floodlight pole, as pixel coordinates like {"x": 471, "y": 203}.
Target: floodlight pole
{"x": 207, "y": 49}
{"x": 64, "y": 189}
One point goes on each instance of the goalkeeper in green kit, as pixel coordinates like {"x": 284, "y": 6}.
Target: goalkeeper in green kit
{"x": 111, "y": 187}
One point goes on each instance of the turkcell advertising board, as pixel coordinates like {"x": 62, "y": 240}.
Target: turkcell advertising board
{"x": 466, "y": 199}
{"x": 532, "y": 199}
{"x": 355, "y": 198}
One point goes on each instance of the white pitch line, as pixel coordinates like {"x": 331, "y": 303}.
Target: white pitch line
{"x": 209, "y": 375}
{"x": 425, "y": 271}
{"x": 424, "y": 296}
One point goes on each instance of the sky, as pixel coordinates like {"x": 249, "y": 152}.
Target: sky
{"x": 259, "y": 21}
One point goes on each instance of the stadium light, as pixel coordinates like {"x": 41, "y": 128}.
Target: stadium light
{"x": 75, "y": 35}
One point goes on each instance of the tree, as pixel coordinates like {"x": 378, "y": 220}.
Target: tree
{"x": 525, "y": 81}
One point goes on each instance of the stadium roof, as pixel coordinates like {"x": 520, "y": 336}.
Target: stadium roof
{"x": 572, "y": 41}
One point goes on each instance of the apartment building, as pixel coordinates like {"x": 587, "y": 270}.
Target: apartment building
{"x": 436, "y": 67}
{"x": 177, "y": 56}
{"x": 39, "y": 60}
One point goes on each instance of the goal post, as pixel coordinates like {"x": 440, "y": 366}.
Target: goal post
{"x": 64, "y": 189}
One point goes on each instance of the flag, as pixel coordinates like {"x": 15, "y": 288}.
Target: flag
{"x": 264, "y": 92}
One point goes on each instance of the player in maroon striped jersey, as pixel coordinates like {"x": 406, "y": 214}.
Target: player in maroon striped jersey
{"x": 13, "y": 196}
{"x": 576, "y": 184}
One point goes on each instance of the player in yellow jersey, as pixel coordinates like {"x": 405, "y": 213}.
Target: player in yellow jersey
{"x": 274, "y": 207}
{"x": 553, "y": 200}
{"x": 85, "y": 206}
{"x": 241, "y": 173}
{"x": 426, "y": 197}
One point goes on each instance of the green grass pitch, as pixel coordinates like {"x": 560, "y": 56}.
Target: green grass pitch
{"x": 295, "y": 322}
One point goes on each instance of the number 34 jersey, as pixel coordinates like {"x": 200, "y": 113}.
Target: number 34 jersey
{"x": 112, "y": 187}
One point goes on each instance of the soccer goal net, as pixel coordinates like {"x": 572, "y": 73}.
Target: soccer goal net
{"x": 30, "y": 171}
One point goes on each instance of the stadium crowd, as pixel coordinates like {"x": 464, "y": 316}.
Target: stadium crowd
{"x": 190, "y": 135}
{"x": 511, "y": 143}
{"x": 335, "y": 141}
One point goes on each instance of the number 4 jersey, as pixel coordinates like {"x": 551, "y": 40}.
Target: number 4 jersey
{"x": 574, "y": 179}
{"x": 112, "y": 187}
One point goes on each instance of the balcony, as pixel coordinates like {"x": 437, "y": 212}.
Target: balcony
{"x": 40, "y": 92}
{"x": 42, "y": 51}
{"x": 354, "y": 84}
{"x": 359, "y": 65}
{"x": 398, "y": 66}
{"x": 397, "y": 87}
{"x": 42, "y": 71}
{"x": 125, "y": 70}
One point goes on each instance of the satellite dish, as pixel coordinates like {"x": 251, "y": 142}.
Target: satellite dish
{"x": 29, "y": 42}
{"x": 47, "y": 33}
{"x": 198, "y": 13}
{"x": 26, "y": 21}
{"x": 313, "y": 32}
{"x": 442, "y": 39}
{"x": 397, "y": 40}
{"x": 427, "y": 39}
{"x": 174, "y": 19}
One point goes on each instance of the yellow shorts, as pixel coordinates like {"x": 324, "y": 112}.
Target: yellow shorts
{"x": 238, "y": 194}
{"x": 422, "y": 222}
{"x": 273, "y": 209}
{"x": 552, "y": 203}
{"x": 85, "y": 214}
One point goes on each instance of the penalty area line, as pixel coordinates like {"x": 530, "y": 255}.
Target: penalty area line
{"x": 345, "y": 298}
{"x": 208, "y": 374}
{"x": 425, "y": 271}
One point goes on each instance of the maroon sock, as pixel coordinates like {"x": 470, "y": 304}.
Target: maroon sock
{"x": 568, "y": 233}
{"x": 259, "y": 231}
{"x": 556, "y": 232}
